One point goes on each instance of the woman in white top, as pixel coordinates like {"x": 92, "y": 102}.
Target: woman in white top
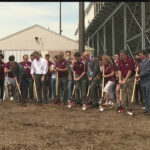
{"x": 53, "y": 78}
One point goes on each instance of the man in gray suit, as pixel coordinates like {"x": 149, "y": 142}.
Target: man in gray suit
{"x": 144, "y": 78}
{"x": 94, "y": 76}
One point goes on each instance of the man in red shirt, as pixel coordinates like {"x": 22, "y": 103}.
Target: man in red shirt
{"x": 62, "y": 67}
{"x": 27, "y": 66}
{"x": 126, "y": 72}
{"x": 49, "y": 74}
{"x": 80, "y": 78}
{"x": 10, "y": 78}
{"x": 2, "y": 75}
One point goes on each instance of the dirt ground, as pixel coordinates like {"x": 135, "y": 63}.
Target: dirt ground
{"x": 48, "y": 127}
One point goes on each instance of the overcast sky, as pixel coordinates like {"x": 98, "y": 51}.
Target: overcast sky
{"x": 16, "y": 16}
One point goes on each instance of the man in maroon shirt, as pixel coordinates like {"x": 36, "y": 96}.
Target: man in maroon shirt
{"x": 62, "y": 67}
{"x": 27, "y": 66}
{"x": 2, "y": 75}
{"x": 80, "y": 78}
{"x": 10, "y": 78}
{"x": 126, "y": 72}
{"x": 47, "y": 57}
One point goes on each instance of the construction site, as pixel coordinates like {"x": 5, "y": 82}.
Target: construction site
{"x": 108, "y": 28}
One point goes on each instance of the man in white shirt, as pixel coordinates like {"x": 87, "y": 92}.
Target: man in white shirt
{"x": 39, "y": 69}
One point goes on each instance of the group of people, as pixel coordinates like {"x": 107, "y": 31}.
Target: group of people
{"x": 81, "y": 80}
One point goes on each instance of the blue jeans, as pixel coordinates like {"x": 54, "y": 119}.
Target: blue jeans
{"x": 53, "y": 85}
{"x": 49, "y": 86}
{"x": 70, "y": 88}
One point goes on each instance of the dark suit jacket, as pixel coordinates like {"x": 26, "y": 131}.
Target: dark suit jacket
{"x": 95, "y": 68}
{"x": 145, "y": 72}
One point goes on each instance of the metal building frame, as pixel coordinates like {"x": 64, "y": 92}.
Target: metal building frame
{"x": 116, "y": 26}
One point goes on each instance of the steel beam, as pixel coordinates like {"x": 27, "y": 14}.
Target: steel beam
{"x": 134, "y": 17}
{"x": 134, "y": 37}
{"x": 130, "y": 52}
{"x": 125, "y": 25}
{"x": 98, "y": 46}
{"x": 81, "y": 28}
{"x": 104, "y": 34}
{"x": 93, "y": 43}
{"x": 113, "y": 36}
{"x": 108, "y": 18}
{"x": 143, "y": 23}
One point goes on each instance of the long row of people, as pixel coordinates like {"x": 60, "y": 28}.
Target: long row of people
{"x": 84, "y": 80}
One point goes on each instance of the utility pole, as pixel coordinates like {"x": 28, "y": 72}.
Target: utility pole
{"x": 81, "y": 28}
{"x": 60, "y": 18}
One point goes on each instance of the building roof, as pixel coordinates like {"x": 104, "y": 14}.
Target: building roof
{"x": 47, "y": 40}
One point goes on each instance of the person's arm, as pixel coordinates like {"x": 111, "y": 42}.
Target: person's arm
{"x": 83, "y": 73}
{"x": 74, "y": 75}
{"x": 45, "y": 70}
{"x": 112, "y": 72}
{"x": 66, "y": 68}
{"x": 6, "y": 70}
{"x": 52, "y": 68}
{"x": 120, "y": 76}
{"x": 32, "y": 71}
{"x": 128, "y": 75}
{"x": 109, "y": 75}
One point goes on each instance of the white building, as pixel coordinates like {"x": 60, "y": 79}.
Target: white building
{"x": 36, "y": 38}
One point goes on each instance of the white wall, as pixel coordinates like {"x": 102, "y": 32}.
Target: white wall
{"x": 18, "y": 55}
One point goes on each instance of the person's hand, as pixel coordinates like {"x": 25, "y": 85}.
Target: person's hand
{"x": 90, "y": 78}
{"x": 77, "y": 79}
{"x": 104, "y": 76}
{"x": 33, "y": 76}
{"x": 124, "y": 82}
{"x": 43, "y": 78}
{"x": 137, "y": 69}
{"x": 120, "y": 82}
{"x": 137, "y": 75}
{"x": 138, "y": 79}
{"x": 15, "y": 78}
{"x": 18, "y": 85}
{"x": 57, "y": 69}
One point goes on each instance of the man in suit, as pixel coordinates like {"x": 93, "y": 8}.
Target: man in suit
{"x": 94, "y": 77}
{"x": 144, "y": 78}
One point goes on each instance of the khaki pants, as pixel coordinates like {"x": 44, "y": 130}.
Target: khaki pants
{"x": 127, "y": 90}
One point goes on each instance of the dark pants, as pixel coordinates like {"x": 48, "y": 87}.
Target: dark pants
{"x": 24, "y": 89}
{"x": 81, "y": 84}
{"x": 146, "y": 97}
{"x": 41, "y": 87}
{"x": 30, "y": 87}
{"x": 49, "y": 86}
{"x": 94, "y": 91}
{"x": 138, "y": 94}
{"x": 63, "y": 83}
{"x": 2, "y": 88}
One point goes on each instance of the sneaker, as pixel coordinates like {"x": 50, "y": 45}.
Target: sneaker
{"x": 143, "y": 108}
{"x": 101, "y": 108}
{"x": 69, "y": 104}
{"x": 11, "y": 98}
{"x": 110, "y": 103}
{"x": 120, "y": 110}
{"x": 84, "y": 107}
{"x": 58, "y": 104}
{"x": 130, "y": 113}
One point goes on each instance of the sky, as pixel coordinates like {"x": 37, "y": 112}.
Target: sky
{"x": 16, "y": 16}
